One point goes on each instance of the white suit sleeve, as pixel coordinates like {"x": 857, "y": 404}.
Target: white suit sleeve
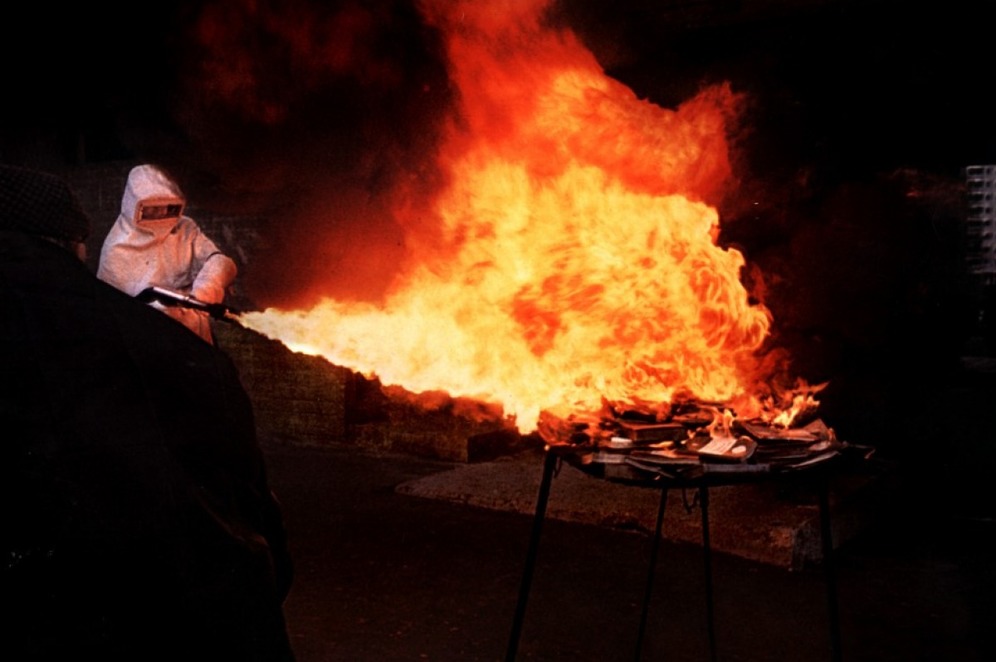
{"x": 212, "y": 270}
{"x": 214, "y": 277}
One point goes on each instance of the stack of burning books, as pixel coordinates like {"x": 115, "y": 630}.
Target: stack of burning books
{"x": 693, "y": 438}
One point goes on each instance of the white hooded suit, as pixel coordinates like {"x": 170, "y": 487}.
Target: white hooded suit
{"x": 153, "y": 244}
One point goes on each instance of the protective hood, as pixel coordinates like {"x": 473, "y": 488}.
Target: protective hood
{"x": 152, "y": 202}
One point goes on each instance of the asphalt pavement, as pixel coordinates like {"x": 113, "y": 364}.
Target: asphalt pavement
{"x": 383, "y": 574}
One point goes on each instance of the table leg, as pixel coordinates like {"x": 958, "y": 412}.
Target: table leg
{"x": 829, "y": 569}
{"x": 654, "y": 548}
{"x": 549, "y": 463}
{"x": 707, "y": 558}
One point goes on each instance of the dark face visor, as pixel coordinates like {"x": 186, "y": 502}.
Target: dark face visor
{"x": 160, "y": 212}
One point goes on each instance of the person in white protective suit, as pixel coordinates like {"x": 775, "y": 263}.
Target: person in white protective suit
{"x": 152, "y": 244}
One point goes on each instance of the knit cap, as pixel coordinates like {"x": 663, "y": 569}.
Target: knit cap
{"x": 40, "y": 204}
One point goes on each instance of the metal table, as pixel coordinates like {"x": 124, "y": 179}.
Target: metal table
{"x": 817, "y": 474}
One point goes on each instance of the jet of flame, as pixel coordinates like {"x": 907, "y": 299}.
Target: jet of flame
{"x": 577, "y": 261}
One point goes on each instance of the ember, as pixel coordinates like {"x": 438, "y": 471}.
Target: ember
{"x": 575, "y": 266}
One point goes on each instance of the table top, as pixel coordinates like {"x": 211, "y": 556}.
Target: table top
{"x": 644, "y": 465}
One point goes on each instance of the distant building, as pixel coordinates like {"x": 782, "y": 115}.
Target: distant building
{"x": 981, "y": 221}
{"x": 980, "y": 252}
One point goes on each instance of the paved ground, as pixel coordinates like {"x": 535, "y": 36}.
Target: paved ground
{"x": 385, "y": 575}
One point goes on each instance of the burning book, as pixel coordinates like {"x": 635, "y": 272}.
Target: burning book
{"x": 652, "y": 432}
{"x": 620, "y": 444}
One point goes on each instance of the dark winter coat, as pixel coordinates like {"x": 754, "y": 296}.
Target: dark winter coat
{"x": 137, "y": 521}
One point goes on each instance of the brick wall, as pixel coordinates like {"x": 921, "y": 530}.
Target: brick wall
{"x": 296, "y": 398}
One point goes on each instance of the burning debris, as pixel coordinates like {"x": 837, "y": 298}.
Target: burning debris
{"x": 692, "y": 437}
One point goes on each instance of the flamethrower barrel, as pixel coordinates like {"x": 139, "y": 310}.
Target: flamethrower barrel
{"x": 169, "y": 297}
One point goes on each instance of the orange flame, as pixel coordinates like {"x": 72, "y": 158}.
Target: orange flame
{"x": 577, "y": 262}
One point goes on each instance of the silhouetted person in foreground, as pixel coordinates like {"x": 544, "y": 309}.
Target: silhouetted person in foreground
{"x": 137, "y": 519}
